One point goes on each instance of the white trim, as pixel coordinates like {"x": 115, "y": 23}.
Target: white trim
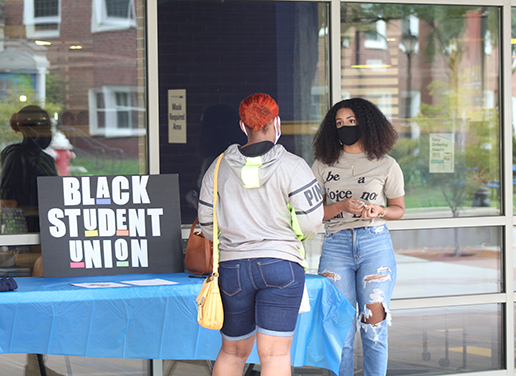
{"x": 489, "y": 99}
{"x": 513, "y": 106}
{"x": 20, "y": 239}
{"x": 459, "y": 222}
{"x": 379, "y": 42}
{"x": 111, "y": 110}
{"x": 335, "y": 53}
{"x": 414, "y": 25}
{"x": 100, "y": 21}
{"x": 32, "y": 22}
{"x": 435, "y": 2}
{"x": 153, "y": 87}
{"x": 447, "y": 301}
{"x": 506, "y": 164}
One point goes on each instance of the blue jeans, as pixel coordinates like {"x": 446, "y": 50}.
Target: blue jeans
{"x": 360, "y": 263}
{"x": 262, "y": 294}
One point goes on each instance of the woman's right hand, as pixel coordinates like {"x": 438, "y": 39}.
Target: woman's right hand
{"x": 348, "y": 205}
{"x": 352, "y": 205}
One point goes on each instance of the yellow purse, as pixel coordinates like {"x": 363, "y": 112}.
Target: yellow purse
{"x": 210, "y": 313}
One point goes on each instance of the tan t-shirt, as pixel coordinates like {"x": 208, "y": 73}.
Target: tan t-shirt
{"x": 373, "y": 182}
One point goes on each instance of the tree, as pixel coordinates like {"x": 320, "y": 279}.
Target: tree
{"x": 10, "y": 103}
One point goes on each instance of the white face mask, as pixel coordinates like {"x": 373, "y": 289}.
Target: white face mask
{"x": 277, "y": 128}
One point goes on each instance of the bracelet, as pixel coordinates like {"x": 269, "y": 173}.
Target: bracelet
{"x": 383, "y": 214}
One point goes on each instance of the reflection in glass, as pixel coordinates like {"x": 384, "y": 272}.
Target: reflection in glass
{"x": 22, "y": 163}
{"x": 313, "y": 253}
{"x": 438, "y": 262}
{"x": 441, "y": 262}
{"x": 88, "y": 74}
{"x": 242, "y": 47}
{"x": 445, "y": 340}
{"x": 57, "y": 365}
{"x": 514, "y": 255}
{"x": 433, "y": 70}
{"x": 513, "y": 99}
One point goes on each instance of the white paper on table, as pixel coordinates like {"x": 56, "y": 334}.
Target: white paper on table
{"x": 305, "y": 301}
{"x": 97, "y": 285}
{"x": 151, "y": 282}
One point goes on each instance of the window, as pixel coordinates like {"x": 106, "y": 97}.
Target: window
{"x": 110, "y": 15}
{"x": 445, "y": 86}
{"x": 42, "y": 18}
{"x": 66, "y": 73}
{"x": 114, "y": 111}
{"x": 446, "y": 340}
{"x": 376, "y": 38}
{"x": 409, "y": 35}
{"x": 412, "y": 102}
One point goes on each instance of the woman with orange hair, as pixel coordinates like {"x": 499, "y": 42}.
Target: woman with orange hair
{"x": 269, "y": 203}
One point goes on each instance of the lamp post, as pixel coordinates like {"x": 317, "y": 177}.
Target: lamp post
{"x": 409, "y": 41}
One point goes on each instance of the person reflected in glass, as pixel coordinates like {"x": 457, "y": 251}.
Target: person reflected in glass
{"x": 218, "y": 130}
{"x": 22, "y": 163}
{"x": 363, "y": 187}
{"x": 263, "y": 218}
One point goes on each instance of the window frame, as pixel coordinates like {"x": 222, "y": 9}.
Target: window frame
{"x": 380, "y": 40}
{"x": 111, "y": 110}
{"x": 31, "y": 22}
{"x": 100, "y": 21}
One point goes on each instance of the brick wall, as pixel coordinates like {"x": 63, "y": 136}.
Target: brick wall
{"x": 106, "y": 58}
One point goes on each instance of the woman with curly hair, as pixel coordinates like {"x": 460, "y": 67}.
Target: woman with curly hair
{"x": 363, "y": 187}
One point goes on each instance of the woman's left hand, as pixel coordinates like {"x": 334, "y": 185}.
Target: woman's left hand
{"x": 371, "y": 211}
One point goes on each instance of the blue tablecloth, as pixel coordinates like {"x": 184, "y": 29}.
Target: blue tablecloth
{"x": 52, "y": 316}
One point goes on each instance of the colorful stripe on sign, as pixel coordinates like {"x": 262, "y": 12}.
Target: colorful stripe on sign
{"x": 77, "y": 265}
{"x": 103, "y": 201}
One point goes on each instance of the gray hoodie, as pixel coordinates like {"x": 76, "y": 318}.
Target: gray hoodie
{"x": 267, "y": 205}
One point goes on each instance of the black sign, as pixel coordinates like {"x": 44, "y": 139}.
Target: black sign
{"x": 104, "y": 225}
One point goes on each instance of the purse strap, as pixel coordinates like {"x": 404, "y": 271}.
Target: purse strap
{"x": 192, "y": 229}
{"x": 215, "y": 223}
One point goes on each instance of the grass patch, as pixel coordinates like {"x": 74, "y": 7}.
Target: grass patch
{"x": 430, "y": 197}
{"x": 424, "y": 197}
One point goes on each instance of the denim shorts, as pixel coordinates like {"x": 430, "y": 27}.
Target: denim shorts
{"x": 260, "y": 295}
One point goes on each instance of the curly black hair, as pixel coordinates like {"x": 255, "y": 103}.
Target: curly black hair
{"x": 377, "y": 134}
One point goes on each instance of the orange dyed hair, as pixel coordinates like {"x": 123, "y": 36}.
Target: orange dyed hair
{"x": 257, "y": 110}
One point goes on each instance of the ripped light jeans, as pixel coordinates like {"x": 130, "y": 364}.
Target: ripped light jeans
{"x": 360, "y": 262}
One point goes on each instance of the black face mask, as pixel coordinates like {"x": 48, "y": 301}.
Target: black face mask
{"x": 348, "y": 135}
{"x": 42, "y": 142}
{"x": 40, "y": 135}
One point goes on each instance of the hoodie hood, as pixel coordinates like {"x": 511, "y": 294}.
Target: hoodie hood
{"x": 253, "y": 172}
